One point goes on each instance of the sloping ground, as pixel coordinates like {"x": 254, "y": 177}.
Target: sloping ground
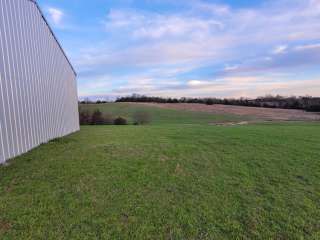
{"x": 161, "y": 115}
{"x": 167, "y": 180}
{"x": 269, "y": 114}
{"x": 170, "y": 181}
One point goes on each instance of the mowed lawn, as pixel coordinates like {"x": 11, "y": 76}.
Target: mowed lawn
{"x": 172, "y": 179}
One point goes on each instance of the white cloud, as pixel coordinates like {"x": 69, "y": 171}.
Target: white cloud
{"x": 167, "y": 44}
{"x": 192, "y": 36}
{"x": 307, "y": 47}
{"x": 56, "y": 15}
{"x": 251, "y": 86}
{"x": 196, "y": 83}
{"x": 280, "y": 49}
{"x": 155, "y": 26}
{"x": 219, "y": 9}
{"x": 230, "y": 67}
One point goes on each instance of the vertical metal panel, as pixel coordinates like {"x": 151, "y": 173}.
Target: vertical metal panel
{"x": 18, "y": 70}
{"x": 24, "y": 28}
{"x": 23, "y": 75}
{"x": 38, "y": 96}
{"x": 4, "y": 150}
{"x": 7, "y": 83}
{"x": 16, "y": 67}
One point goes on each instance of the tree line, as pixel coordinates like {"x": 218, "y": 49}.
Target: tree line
{"x": 307, "y": 103}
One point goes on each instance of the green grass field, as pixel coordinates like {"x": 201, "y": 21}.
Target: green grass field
{"x": 178, "y": 178}
{"x": 160, "y": 116}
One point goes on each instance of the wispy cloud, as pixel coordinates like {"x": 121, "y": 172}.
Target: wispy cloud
{"x": 280, "y": 49}
{"x": 156, "y": 26}
{"x": 206, "y": 44}
{"x": 56, "y": 15}
{"x": 222, "y": 87}
{"x": 315, "y": 46}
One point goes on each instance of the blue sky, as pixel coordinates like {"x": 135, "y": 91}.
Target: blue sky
{"x": 192, "y": 48}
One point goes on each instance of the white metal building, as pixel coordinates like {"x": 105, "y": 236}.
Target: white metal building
{"x": 38, "y": 93}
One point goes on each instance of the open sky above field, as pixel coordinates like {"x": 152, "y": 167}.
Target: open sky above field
{"x": 195, "y": 48}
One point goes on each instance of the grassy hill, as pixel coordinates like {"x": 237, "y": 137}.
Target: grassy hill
{"x": 168, "y": 180}
{"x": 159, "y": 115}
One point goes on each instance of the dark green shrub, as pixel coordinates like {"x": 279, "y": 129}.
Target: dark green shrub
{"x": 120, "y": 121}
{"x": 97, "y": 118}
{"x": 85, "y": 117}
{"x": 313, "y": 108}
{"x": 209, "y": 101}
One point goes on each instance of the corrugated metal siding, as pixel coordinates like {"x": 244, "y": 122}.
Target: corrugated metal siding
{"x": 38, "y": 97}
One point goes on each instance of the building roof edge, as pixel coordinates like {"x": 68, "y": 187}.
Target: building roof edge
{"x": 53, "y": 34}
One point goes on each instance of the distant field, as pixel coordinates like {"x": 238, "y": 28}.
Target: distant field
{"x": 179, "y": 178}
{"x": 253, "y": 113}
{"x": 162, "y": 116}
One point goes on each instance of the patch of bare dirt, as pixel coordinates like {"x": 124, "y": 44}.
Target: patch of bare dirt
{"x": 179, "y": 170}
{"x": 4, "y": 226}
{"x": 254, "y": 113}
{"x": 163, "y": 158}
